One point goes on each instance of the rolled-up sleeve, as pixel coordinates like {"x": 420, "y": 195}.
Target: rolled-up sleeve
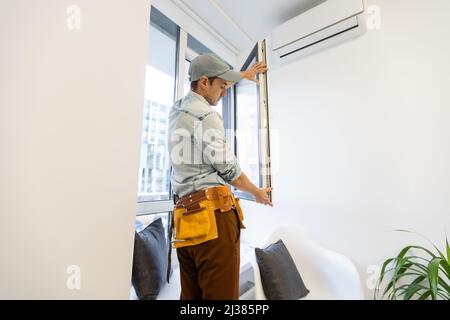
{"x": 210, "y": 137}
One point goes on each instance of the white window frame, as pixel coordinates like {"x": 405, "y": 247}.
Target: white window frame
{"x": 265, "y": 175}
{"x": 162, "y": 206}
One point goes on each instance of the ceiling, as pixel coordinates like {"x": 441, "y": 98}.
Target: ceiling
{"x": 243, "y": 22}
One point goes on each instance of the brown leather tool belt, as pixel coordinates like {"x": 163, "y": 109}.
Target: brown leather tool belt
{"x": 221, "y": 195}
{"x": 193, "y": 216}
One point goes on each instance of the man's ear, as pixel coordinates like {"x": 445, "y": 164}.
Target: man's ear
{"x": 203, "y": 81}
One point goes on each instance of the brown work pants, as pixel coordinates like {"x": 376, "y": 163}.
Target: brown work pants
{"x": 210, "y": 270}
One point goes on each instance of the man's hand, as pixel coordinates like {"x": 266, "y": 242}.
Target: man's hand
{"x": 250, "y": 73}
{"x": 261, "y": 196}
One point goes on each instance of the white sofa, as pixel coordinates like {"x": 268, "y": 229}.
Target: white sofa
{"x": 328, "y": 275}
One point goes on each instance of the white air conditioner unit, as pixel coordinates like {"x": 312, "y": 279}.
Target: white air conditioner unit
{"x": 331, "y": 22}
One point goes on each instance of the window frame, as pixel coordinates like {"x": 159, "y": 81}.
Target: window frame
{"x": 146, "y": 207}
{"x": 265, "y": 177}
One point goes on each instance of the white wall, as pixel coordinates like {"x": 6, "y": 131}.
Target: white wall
{"x": 70, "y": 123}
{"x": 364, "y": 138}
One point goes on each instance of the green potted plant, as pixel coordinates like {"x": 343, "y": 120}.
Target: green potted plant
{"x": 422, "y": 275}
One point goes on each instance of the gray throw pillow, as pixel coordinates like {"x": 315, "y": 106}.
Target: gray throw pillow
{"x": 279, "y": 275}
{"x": 149, "y": 261}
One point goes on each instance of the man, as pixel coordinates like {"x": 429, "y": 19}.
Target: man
{"x": 207, "y": 217}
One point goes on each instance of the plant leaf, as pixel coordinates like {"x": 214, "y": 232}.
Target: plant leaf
{"x": 433, "y": 275}
{"x": 443, "y": 294}
{"x": 404, "y": 287}
{"x": 446, "y": 266}
{"x": 425, "y": 295}
{"x": 402, "y": 267}
{"x": 444, "y": 285}
{"x": 388, "y": 287}
{"x": 403, "y": 252}
{"x": 411, "y": 292}
{"x": 414, "y": 287}
{"x": 421, "y": 235}
{"x": 424, "y": 249}
{"x": 422, "y": 268}
{"x": 383, "y": 268}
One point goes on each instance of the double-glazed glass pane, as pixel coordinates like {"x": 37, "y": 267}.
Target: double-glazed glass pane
{"x": 247, "y": 121}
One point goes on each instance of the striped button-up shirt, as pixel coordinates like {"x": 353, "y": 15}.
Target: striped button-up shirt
{"x": 199, "y": 153}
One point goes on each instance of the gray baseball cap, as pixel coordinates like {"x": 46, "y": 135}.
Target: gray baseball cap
{"x": 210, "y": 65}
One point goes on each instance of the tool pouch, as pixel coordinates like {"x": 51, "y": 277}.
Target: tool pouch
{"x": 194, "y": 216}
{"x": 195, "y": 224}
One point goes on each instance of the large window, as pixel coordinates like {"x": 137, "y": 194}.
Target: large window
{"x": 170, "y": 52}
{"x": 244, "y": 111}
{"x": 160, "y": 83}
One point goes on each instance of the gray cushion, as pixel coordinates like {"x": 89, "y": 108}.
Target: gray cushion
{"x": 279, "y": 275}
{"x": 149, "y": 261}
